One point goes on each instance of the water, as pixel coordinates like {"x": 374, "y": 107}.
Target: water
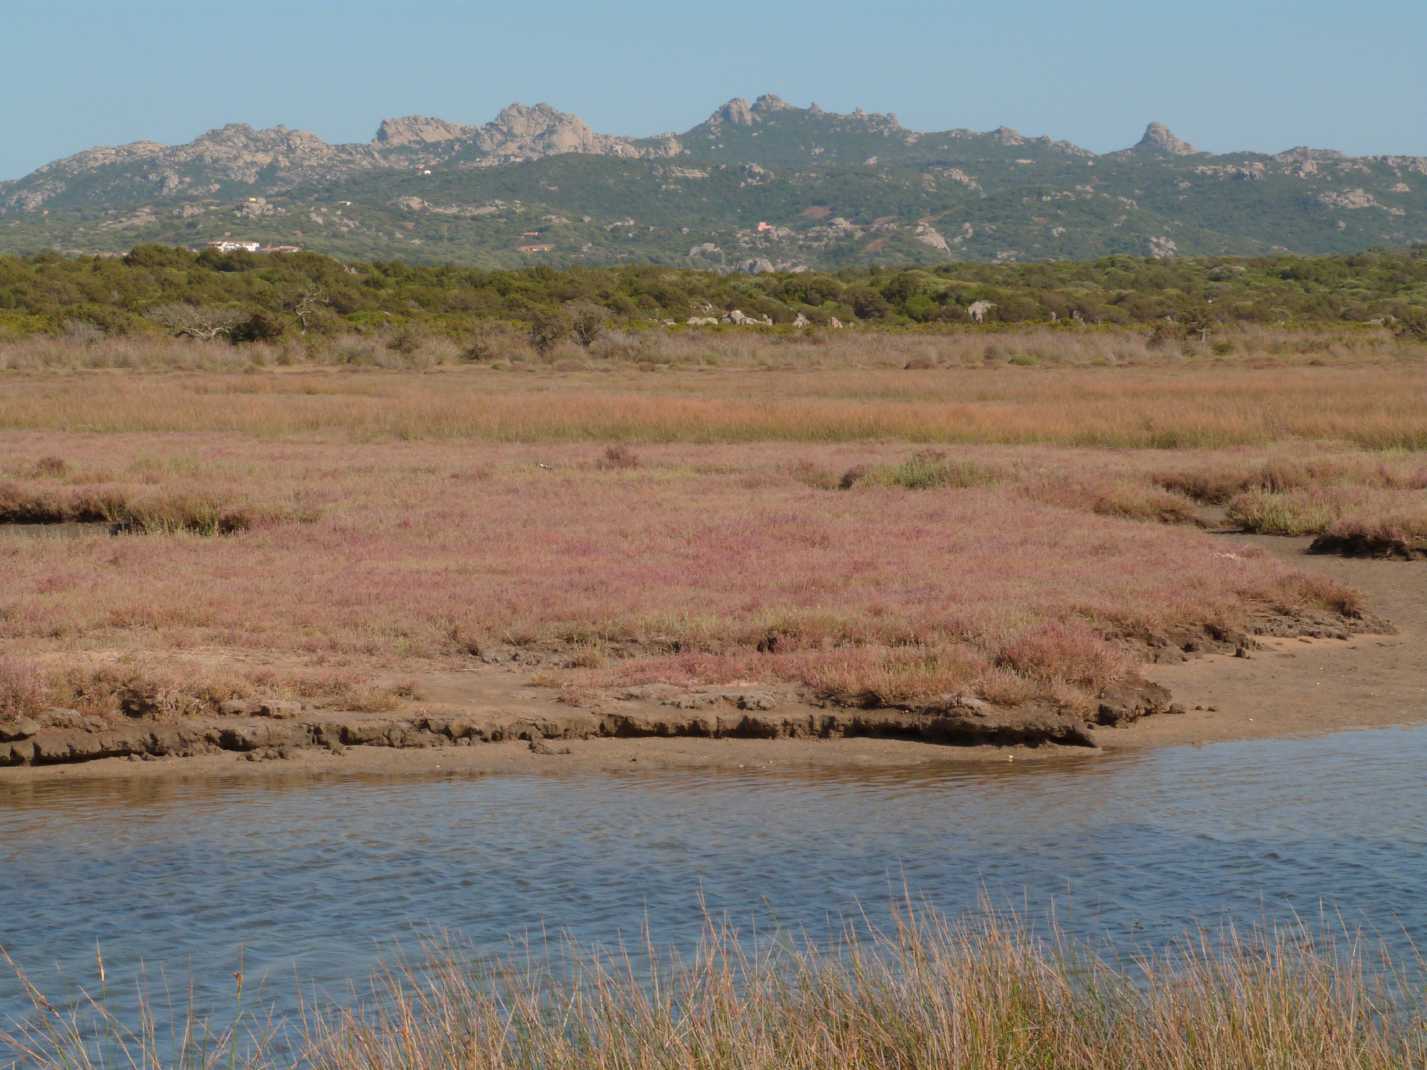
{"x": 317, "y": 878}
{"x": 56, "y": 531}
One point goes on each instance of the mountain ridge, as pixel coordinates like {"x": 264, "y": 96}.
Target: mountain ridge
{"x": 757, "y": 185}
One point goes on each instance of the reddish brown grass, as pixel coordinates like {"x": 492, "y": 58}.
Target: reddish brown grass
{"x": 22, "y": 689}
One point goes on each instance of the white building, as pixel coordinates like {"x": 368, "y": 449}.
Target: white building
{"x": 226, "y": 246}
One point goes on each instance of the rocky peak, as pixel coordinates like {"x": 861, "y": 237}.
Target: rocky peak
{"x": 769, "y": 103}
{"x": 737, "y": 112}
{"x": 239, "y": 140}
{"x": 418, "y": 130}
{"x": 524, "y": 131}
{"x": 523, "y": 120}
{"x": 875, "y": 121}
{"x": 1158, "y": 138}
{"x": 235, "y": 135}
{"x": 226, "y": 134}
{"x": 1007, "y": 136}
{"x": 1304, "y": 154}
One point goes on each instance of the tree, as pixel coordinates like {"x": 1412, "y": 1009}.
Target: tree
{"x": 548, "y": 328}
{"x": 306, "y": 307}
{"x": 158, "y": 256}
{"x": 1198, "y": 320}
{"x": 921, "y": 308}
{"x": 1411, "y": 323}
{"x": 587, "y": 321}
{"x": 489, "y": 341}
{"x": 868, "y": 303}
{"x": 204, "y": 322}
{"x": 259, "y": 327}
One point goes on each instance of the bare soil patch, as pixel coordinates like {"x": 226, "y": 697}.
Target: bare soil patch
{"x": 1302, "y": 685}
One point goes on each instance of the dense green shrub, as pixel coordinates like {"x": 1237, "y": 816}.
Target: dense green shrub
{"x": 256, "y": 298}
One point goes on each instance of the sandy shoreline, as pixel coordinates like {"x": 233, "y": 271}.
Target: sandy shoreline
{"x": 1289, "y": 687}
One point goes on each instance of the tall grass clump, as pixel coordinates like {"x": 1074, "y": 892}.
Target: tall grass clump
{"x": 161, "y": 513}
{"x": 1298, "y": 513}
{"x": 1127, "y": 498}
{"x": 196, "y": 514}
{"x": 925, "y": 993}
{"x": 22, "y": 689}
{"x": 924, "y": 470}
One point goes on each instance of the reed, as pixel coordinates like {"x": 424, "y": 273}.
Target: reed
{"x": 922, "y": 992}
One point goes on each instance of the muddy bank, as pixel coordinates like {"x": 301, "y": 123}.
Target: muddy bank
{"x": 274, "y": 730}
{"x": 1368, "y": 545}
{"x": 1303, "y": 685}
{"x": 1295, "y": 676}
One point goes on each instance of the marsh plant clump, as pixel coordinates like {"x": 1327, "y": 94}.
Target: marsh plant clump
{"x": 197, "y": 513}
{"x": 924, "y": 470}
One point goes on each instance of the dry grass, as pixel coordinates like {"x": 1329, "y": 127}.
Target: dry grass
{"x": 190, "y": 505}
{"x": 167, "y": 686}
{"x": 509, "y": 345}
{"x": 849, "y": 389}
{"x": 1138, "y": 408}
{"x": 1121, "y": 495}
{"x": 926, "y": 993}
{"x": 622, "y": 526}
{"x": 23, "y": 689}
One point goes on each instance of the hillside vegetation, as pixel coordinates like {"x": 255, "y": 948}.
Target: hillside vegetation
{"x": 755, "y": 187}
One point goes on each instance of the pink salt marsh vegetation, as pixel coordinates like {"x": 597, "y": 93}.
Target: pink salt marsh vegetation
{"x": 669, "y": 563}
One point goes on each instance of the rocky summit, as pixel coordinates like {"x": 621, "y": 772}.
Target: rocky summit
{"x": 1159, "y": 138}
{"x": 757, "y": 186}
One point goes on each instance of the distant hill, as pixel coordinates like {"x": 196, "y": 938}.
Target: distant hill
{"x": 756, "y": 187}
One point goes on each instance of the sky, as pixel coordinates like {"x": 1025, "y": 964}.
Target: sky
{"x": 1224, "y": 74}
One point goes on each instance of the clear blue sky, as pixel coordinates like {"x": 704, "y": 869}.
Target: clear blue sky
{"x": 1225, "y": 74}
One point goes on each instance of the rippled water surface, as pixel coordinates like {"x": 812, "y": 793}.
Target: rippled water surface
{"x": 315, "y": 878}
